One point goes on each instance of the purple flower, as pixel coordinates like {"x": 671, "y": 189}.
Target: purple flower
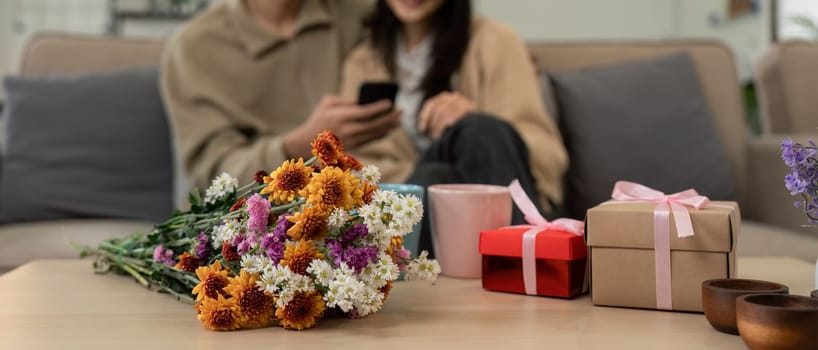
{"x": 794, "y": 153}
{"x": 355, "y": 257}
{"x": 803, "y": 179}
{"x": 273, "y": 242}
{"x": 244, "y": 246}
{"x": 163, "y": 256}
{"x": 258, "y": 209}
{"x": 202, "y": 247}
{"x": 795, "y": 184}
{"x": 355, "y": 232}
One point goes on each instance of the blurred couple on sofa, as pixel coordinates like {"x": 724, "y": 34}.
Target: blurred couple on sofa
{"x": 249, "y": 83}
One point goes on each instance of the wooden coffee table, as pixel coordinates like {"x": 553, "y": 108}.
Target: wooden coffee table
{"x": 62, "y": 304}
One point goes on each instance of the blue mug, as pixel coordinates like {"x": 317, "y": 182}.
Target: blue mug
{"x": 412, "y": 240}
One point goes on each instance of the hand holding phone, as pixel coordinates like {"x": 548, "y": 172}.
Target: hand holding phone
{"x": 375, "y": 91}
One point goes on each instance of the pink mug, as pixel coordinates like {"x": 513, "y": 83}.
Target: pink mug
{"x": 457, "y": 214}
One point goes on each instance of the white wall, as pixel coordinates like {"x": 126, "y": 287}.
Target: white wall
{"x": 748, "y": 36}
{"x": 791, "y": 8}
{"x": 533, "y": 19}
{"x": 582, "y": 19}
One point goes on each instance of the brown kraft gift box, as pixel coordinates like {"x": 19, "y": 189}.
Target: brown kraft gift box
{"x": 620, "y": 236}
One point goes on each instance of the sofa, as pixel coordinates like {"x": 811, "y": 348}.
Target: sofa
{"x": 786, "y": 83}
{"x": 50, "y": 54}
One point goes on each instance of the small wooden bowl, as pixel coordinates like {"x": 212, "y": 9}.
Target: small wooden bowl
{"x": 778, "y": 322}
{"x": 719, "y": 299}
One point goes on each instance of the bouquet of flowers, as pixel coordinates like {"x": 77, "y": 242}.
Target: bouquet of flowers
{"x": 803, "y": 180}
{"x": 311, "y": 238}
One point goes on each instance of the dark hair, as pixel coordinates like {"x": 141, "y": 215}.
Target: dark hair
{"x": 450, "y": 25}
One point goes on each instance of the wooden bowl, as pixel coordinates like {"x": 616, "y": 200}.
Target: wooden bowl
{"x": 778, "y": 322}
{"x": 719, "y": 299}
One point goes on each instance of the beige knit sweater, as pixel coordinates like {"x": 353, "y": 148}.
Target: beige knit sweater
{"x": 233, "y": 90}
{"x": 498, "y": 75}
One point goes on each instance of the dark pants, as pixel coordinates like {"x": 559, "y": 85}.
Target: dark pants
{"x": 478, "y": 149}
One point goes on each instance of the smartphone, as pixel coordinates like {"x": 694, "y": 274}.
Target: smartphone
{"x": 376, "y": 91}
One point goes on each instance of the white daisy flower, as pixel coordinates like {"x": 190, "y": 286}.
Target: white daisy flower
{"x": 225, "y": 233}
{"x": 322, "y": 271}
{"x": 221, "y": 186}
{"x": 337, "y": 219}
{"x": 422, "y": 268}
{"x": 371, "y": 174}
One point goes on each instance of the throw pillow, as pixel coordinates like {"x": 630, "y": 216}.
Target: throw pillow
{"x": 86, "y": 146}
{"x": 645, "y": 121}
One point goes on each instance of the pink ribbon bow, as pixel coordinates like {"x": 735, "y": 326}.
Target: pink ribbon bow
{"x": 538, "y": 224}
{"x": 676, "y": 203}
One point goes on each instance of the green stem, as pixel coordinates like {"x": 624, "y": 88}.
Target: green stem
{"x": 284, "y": 207}
{"x": 251, "y": 188}
{"x": 179, "y": 296}
{"x": 131, "y": 271}
{"x": 310, "y": 161}
{"x": 114, "y": 257}
{"x": 183, "y": 277}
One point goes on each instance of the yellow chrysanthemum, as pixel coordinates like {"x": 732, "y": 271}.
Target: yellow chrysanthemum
{"x": 302, "y": 312}
{"x": 257, "y": 306}
{"x": 333, "y": 188}
{"x": 310, "y": 223}
{"x": 220, "y": 314}
{"x": 286, "y": 181}
{"x": 212, "y": 279}
{"x": 395, "y": 244}
{"x": 299, "y": 256}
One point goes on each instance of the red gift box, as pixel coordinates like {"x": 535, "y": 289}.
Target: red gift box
{"x": 560, "y": 261}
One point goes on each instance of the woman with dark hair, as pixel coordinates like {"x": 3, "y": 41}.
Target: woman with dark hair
{"x": 472, "y": 110}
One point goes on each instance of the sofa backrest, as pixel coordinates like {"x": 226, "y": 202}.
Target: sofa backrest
{"x": 50, "y": 53}
{"x": 716, "y": 72}
{"x": 787, "y": 80}
{"x": 58, "y": 53}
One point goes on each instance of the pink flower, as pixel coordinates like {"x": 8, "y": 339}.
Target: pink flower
{"x": 164, "y": 256}
{"x": 259, "y": 210}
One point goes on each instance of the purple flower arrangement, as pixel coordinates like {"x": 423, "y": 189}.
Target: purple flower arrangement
{"x": 803, "y": 180}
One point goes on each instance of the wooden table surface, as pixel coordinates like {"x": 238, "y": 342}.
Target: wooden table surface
{"x": 62, "y": 304}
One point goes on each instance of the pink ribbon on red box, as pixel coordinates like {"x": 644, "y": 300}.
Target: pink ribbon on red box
{"x": 538, "y": 224}
{"x": 676, "y": 203}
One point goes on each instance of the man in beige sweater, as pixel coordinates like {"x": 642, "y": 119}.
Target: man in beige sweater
{"x": 248, "y": 83}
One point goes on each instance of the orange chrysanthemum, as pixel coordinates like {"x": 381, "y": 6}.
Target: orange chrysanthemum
{"x": 213, "y": 280}
{"x": 386, "y": 289}
{"x": 257, "y": 306}
{"x": 187, "y": 263}
{"x": 285, "y": 182}
{"x": 333, "y": 188}
{"x": 229, "y": 252}
{"x": 348, "y": 162}
{"x": 327, "y": 148}
{"x": 368, "y": 191}
{"x": 220, "y": 314}
{"x": 299, "y": 256}
{"x": 310, "y": 223}
{"x": 302, "y": 312}
{"x": 238, "y": 204}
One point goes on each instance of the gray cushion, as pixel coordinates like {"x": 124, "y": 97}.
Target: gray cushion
{"x": 86, "y": 146}
{"x": 643, "y": 121}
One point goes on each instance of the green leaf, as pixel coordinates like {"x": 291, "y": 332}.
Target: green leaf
{"x": 195, "y": 198}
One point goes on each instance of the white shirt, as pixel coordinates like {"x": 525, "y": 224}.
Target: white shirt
{"x": 411, "y": 68}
